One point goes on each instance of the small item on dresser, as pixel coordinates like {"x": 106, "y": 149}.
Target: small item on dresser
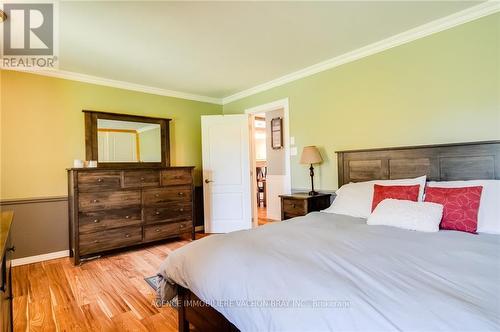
{"x": 461, "y": 206}
{"x": 78, "y": 163}
{"x": 411, "y": 215}
{"x": 92, "y": 163}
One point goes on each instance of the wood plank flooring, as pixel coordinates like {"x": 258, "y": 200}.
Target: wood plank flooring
{"x": 107, "y": 294}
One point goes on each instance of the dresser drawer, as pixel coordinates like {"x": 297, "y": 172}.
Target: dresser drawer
{"x": 175, "y": 177}
{"x": 109, "y": 239}
{"x": 158, "y": 232}
{"x": 141, "y": 178}
{"x": 109, "y": 200}
{"x": 169, "y": 212}
{"x": 98, "y": 181}
{"x": 102, "y": 220}
{"x": 160, "y": 196}
{"x": 295, "y": 207}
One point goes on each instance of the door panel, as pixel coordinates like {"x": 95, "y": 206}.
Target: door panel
{"x": 226, "y": 173}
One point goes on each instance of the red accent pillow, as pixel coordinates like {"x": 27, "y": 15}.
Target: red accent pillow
{"x": 408, "y": 193}
{"x": 461, "y": 206}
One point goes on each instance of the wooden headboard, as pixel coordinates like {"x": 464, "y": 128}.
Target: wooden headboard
{"x": 445, "y": 162}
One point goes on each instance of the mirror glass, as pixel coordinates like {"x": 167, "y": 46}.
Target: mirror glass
{"x": 127, "y": 141}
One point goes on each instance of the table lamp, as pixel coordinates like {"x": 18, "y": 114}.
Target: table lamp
{"x": 310, "y": 155}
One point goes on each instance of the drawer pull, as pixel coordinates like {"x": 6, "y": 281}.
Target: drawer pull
{"x": 96, "y": 241}
{"x": 95, "y": 201}
{"x": 157, "y": 230}
{"x": 127, "y": 235}
{"x": 180, "y": 193}
{"x": 99, "y": 180}
{"x": 127, "y": 217}
{"x": 142, "y": 179}
{"x": 177, "y": 177}
{"x": 157, "y": 195}
{"x": 182, "y": 226}
{"x": 157, "y": 212}
{"x": 96, "y": 221}
{"x": 294, "y": 206}
{"x": 181, "y": 210}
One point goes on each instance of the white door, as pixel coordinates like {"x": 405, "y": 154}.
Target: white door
{"x": 226, "y": 173}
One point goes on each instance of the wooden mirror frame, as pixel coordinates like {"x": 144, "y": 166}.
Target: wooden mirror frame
{"x": 91, "y": 144}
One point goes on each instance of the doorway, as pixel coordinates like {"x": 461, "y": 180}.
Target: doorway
{"x": 270, "y": 160}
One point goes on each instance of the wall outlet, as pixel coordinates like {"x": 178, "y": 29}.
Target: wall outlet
{"x": 293, "y": 151}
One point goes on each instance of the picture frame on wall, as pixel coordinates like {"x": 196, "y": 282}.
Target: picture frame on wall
{"x": 277, "y": 133}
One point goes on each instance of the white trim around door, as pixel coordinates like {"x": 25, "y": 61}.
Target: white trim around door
{"x": 287, "y": 178}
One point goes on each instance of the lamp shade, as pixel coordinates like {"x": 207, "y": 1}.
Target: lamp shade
{"x": 310, "y": 155}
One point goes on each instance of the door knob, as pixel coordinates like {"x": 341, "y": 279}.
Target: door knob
{"x": 208, "y": 181}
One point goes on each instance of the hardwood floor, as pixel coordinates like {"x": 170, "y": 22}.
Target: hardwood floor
{"x": 262, "y": 216}
{"x": 106, "y": 294}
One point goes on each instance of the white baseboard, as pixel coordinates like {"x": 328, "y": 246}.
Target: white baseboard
{"x": 40, "y": 258}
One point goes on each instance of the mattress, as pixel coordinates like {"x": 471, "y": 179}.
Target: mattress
{"x": 328, "y": 272}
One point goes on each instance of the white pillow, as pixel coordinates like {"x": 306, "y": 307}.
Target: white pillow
{"x": 415, "y": 216}
{"x": 355, "y": 199}
{"x": 488, "y": 219}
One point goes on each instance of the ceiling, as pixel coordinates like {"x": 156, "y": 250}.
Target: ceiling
{"x": 217, "y": 49}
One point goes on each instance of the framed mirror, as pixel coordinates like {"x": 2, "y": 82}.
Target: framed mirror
{"x": 123, "y": 141}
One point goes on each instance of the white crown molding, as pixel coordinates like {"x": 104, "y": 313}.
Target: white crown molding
{"x": 67, "y": 75}
{"x": 40, "y": 258}
{"x": 444, "y": 23}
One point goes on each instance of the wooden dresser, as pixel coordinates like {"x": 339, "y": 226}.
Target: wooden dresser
{"x": 6, "y": 250}
{"x": 118, "y": 208}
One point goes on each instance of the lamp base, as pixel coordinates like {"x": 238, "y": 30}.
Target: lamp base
{"x": 313, "y": 193}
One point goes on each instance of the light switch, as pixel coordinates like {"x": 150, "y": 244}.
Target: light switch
{"x": 292, "y": 140}
{"x": 293, "y": 151}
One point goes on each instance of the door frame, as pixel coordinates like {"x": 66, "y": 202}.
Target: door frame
{"x": 271, "y": 106}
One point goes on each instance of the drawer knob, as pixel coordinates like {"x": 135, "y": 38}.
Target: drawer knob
{"x": 157, "y": 212}
{"x": 96, "y": 221}
{"x": 157, "y": 230}
{"x": 293, "y": 205}
{"x": 99, "y": 180}
{"x": 157, "y": 195}
{"x": 127, "y": 217}
{"x": 181, "y": 210}
{"x": 96, "y": 241}
{"x": 142, "y": 179}
{"x": 182, "y": 226}
{"x": 180, "y": 193}
{"x": 95, "y": 200}
{"x": 127, "y": 235}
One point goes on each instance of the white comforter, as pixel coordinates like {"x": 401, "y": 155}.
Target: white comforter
{"x": 327, "y": 272}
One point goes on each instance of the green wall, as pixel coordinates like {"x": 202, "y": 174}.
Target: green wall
{"x": 440, "y": 89}
{"x": 42, "y": 128}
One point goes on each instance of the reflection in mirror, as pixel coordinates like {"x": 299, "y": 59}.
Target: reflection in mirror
{"x": 127, "y": 141}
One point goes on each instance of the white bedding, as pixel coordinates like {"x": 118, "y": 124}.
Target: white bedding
{"x": 370, "y": 278}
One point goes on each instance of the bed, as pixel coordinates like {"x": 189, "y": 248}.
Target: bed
{"x": 326, "y": 272}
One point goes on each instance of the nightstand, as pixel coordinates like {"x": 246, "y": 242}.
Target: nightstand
{"x": 300, "y": 204}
